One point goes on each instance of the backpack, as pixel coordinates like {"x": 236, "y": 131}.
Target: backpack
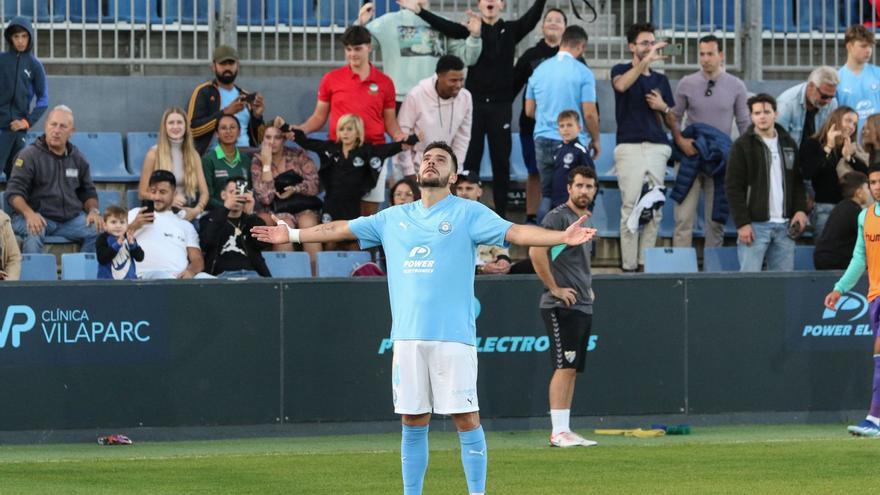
{"x": 368, "y": 269}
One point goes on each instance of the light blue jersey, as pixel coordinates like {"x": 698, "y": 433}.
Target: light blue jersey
{"x": 861, "y": 92}
{"x": 227, "y": 96}
{"x": 430, "y": 255}
{"x": 560, "y": 83}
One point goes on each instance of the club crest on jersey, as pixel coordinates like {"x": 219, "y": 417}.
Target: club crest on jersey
{"x": 569, "y": 356}
{"x": 445, "y": 227}
{"x": 376, "y": 163}
{"x": 358, "y": 161}
{"x": 568, "y": 159}
{"x": 374, "y": 88}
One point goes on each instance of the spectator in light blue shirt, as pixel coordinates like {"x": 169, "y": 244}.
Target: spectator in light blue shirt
{"x": 561, "y": 83}
{"x": 859, "y": 81}
{"x": 805, "y": 107}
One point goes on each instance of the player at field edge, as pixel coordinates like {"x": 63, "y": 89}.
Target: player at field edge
{"x": 866, "y": 255}
{"x": 430, "y": 247}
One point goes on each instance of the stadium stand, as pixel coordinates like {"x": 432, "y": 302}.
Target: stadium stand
{"x": 339, "y": 263}
{"x": 720, "y": 259}
{"x": 671, "y": 260}
{"x": 79, "y": 266}
{"x": 288, "y": 264}
{"x": 39, "y": 267}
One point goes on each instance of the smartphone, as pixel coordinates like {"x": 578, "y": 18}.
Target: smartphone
{"x": 149, "y": 205}
{"x": 249, "y": 98}
{"x": 673, "y": 49}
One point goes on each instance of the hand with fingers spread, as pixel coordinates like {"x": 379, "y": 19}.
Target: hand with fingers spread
{"x": 833, "y": 135}
{"x": 576, "y": 235}
{"x": 365, "y": 15}
{"x": 276, "y": 234}
{"x": 474, "y": 23}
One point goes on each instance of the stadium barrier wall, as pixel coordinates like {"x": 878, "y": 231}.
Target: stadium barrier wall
{"x": 97, "y": 354}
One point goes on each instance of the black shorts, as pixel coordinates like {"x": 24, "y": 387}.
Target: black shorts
{"x": 569, "y": 332}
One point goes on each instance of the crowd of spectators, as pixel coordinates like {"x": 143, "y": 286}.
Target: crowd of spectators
{"x": 779, "y": 167}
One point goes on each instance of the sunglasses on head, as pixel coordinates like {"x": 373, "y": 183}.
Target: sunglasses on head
{"x": 709, "y": 87}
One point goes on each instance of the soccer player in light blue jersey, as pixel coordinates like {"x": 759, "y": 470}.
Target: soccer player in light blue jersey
{"x": 430, "y": 247}
{"x": 859, "y": 86}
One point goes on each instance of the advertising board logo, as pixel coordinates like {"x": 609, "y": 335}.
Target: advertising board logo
{"x": 11, "y": 331}
{"x": 850, "y": 307}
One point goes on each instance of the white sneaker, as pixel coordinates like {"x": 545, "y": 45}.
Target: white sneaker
{"x": 567, "y": 439}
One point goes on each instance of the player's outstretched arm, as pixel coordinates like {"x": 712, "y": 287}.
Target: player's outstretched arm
{"x": 282, "y": 234}
{"x": 530, "y": 235}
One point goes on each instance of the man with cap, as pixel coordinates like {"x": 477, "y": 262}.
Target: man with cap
{"x": 221, "y": 96}
{"x": 491, "y": 260}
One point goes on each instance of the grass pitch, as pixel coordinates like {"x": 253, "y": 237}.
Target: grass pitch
{"x": 736, "y": 459}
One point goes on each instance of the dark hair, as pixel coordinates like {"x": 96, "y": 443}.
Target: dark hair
{"x": 568, "y": 114}
{"x": 356, "y": 35}
{"x": 417, "y": 194}
{"x": 447, "y": 63}
{"x": 761, "y": 98}
{"x": 573, "y": 36}
{"x": 15, "y": 29}
{"x": 465, "y": 176}
{"x": 873, "y": 169}
{"x": 852, "y": 182}
{"x": 636, "y": 29}
{"x": 560, "y": 12}
{"x": 858, "y": 32}
{"x": 711, "y": 38}
{"x": 226, "y": 115}
{"x": 445, "y": 147}
{"x": 583, "y": 171}
{"x": 115, "y": 211}
{"x": 163, "y": 176}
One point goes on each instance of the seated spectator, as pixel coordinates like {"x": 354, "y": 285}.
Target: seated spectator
{"x": 437, "y": 109}
{"x": 568, "y": 154}
{"x": 491, "y": 260}
{"x": 51, "y": 189}
{"x": 117, "y": 248}
{"x": 296, "y": 205}
{"x": 225, "y": 161}
{"x": 834, "y": 246}
{"x": 170, "y": 244}
{"x": 349, "y": 166}
{"x": 826, "y": 157}
{"x": 230, "y": 250}
{"x": 10, "y": 255}
{"x": 405, "y": 191}
{"x": 175, "y": 152}
{"x": 869, "y": 150}
{"x": 221, "y": 96}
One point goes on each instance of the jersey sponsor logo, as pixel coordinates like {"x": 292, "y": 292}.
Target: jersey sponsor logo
{"x": 445, "y": 227}
{"x": 418, "y": 261}
{"x": 505, "y": 344}
{"x": 420, "y": 252}
{"x": 358, "y": 161}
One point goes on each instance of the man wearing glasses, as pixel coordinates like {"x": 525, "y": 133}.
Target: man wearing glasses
{"x": 642, "y": 98}
{"x": 713, "y": 97}
{"x": 805, "y": 107}
{"x": 859, "y": 80}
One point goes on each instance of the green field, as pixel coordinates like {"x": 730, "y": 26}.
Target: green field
{"x": 736, "y": 459}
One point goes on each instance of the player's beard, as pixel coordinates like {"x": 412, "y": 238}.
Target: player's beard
{"x": 435, "y": 181}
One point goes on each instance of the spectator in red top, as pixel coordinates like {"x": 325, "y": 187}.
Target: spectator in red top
{"x": 362, "y": 90}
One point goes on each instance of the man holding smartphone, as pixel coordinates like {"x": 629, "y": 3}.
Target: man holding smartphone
{"x": 221, "y": 96}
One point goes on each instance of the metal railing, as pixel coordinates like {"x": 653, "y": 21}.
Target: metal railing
{"x": 787, "y": 35}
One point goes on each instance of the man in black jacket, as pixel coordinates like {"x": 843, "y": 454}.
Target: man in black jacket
{"x": 490, "y": 81}
{"x": 230, "y": 250}
{"x": 51, "y": 189}
{"x": 765, "y": 190}
{"x": 212, "y": 99}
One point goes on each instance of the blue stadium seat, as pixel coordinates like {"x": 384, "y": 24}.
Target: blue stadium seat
{"x": 339, "y": 12}
{"x": 340, "y": 263}
{"x": 109, "y": 197}
{"x": 79, "y": 266}
{"x": 287, "y": 264}
{"x": 719, "y": 14}
{"x": 606, "y": 213}
{"x": 131, "y": 199}
{"x": 300, "y": 13}
{"x": 254, "y": 13}
{"x": 103, "y": 150}
{"x": 45, "y": 11}
{"x": 518, "y": 171}
{"x": 38, "y": 267}
{"x": 676, "y": 14}
{"x": 607, "y": 140}
{"x": 667, "y": 223}
{"x": 136, "y": 146}
{"x": 385, "y": 6}
{"x": 803, "y": 258}
{"x": 109, "y": 10}
{"x": 720, "y": 259}
{"x": 671, "y": 260}
{"x": 184, "y": 11}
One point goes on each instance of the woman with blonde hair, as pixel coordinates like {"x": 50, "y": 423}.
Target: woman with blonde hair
{"x": 869, "y": 151}
{"x": 176, "y": 153}
{"x": 826, "y": 157}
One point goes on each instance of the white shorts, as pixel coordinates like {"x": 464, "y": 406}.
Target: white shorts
{"x": 431, "y": 376}
{"x": 377, "y": 195}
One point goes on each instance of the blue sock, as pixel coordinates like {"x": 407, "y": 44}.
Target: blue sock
{"x": 414, "y": 458}
{"x": 474, "y": 458}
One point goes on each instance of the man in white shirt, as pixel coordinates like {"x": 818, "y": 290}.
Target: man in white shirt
{"x": 170, "y": 244}
{"x": 766, "y": 191}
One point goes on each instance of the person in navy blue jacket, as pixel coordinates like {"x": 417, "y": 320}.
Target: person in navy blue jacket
{"x": 22, "y": 79}
{"x": 569, "y": 155}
